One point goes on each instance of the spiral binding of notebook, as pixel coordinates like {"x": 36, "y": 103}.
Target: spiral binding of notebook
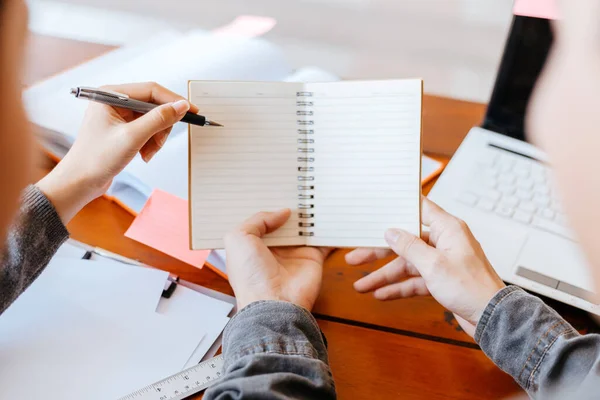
{"x": 305, "y": 142}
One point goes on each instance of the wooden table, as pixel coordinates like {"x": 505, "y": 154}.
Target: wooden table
{"x": 411, "y": 349}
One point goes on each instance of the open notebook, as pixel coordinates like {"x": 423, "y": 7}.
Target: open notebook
{"x": 344, "y": 156}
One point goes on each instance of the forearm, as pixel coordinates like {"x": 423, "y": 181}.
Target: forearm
{"x": 274, "y": 350}
{"x": 32, "y": 241}
{"x": 538, "y": 348}
{"x": 67, "y": 192}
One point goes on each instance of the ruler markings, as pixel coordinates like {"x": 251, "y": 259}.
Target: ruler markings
{"x": 182, "y": 384}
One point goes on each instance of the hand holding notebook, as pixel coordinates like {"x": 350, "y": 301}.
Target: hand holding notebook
{"x": 343, "y": 156}
{"x": 257, "y": 273}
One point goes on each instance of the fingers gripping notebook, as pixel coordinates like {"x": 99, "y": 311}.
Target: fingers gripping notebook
{"x": 344, "y": 157}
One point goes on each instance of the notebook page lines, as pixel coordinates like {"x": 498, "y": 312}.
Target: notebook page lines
{"x": 367, "y": 147}
{"x": 247, "y": 166}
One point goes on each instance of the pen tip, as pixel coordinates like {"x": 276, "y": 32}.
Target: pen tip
{"x": 212, "y": 123}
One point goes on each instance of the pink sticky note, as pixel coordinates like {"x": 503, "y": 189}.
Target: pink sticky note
{"x": 164, "y": 225}
{"x": 537, "y": 8}
{"x": 247, "y": 26}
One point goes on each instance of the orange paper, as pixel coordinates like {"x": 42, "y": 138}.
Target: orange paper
{"x": 163, "y": 224}
{"x": 547, "y": 9}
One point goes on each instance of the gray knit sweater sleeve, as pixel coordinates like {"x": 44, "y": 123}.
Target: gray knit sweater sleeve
{"x": 36, "y": 234}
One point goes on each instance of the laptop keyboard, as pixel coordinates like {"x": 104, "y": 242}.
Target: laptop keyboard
{"x": 517, "y": 188}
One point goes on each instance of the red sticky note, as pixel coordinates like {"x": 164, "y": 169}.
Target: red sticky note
{"x": 163, "y": 224}
{"x": 247, "y": 26}
{"x": 547, "y": 9}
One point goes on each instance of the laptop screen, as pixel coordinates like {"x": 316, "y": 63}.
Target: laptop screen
{"x": 527, "y": 48}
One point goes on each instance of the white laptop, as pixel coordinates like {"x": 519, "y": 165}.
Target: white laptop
{"x": 502, "y": 186}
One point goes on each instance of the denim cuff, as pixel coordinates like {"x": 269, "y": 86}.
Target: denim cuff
{"x": 273, "y": 327}
{"x": 517, "y": 331}
{"x": 491, "y": 307}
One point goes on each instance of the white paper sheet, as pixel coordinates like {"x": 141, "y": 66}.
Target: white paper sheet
{"x": 312, "y": 74}
{"x": 49, "y": 103}
{"x": 217, "y": 295}
{"x": 217, "y": 258}
{"x": 167, "y": 171}
{"x": 57, "y": 348}
{"x": 212, "y": 336}
{"x": 106, "y": 287}
{"x": 187, "y": 303}
{"x": 212, "y": 293}
{"x": 429, "y": 166}
{"x": 70, "y": 250}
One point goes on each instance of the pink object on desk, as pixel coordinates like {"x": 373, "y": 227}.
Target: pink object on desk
{"x": 247, "y": 26}
{"x": 164, "y": 225}
{"x": 537, "y": 8}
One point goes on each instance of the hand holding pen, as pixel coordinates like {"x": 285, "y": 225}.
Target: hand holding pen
{"x": 109, "y": 138}
{"x": 123, "y": 100}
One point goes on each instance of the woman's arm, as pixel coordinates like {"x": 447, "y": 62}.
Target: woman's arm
{"x": 32, "y": 240}
{"x": 274, "y": 350}
{"x": 109, "y": 138}
{"x": 539, "y": 349}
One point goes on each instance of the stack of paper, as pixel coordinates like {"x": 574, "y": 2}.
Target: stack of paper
{"x": 99, "y": 329}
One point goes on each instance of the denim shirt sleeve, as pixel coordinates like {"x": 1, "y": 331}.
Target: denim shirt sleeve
{"x": 274, "y": 350}
{"x": 539, "y": 349}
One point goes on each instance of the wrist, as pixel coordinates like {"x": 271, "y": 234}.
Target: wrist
{"x": 484, "y": 301}
{"x": 67, "y": 192}
{"x": 245, "y": 300}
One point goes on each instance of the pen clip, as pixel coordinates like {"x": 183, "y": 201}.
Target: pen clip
{"x": 90, "y": 90}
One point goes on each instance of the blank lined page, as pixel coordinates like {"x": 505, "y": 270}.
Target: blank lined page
{"x": 367, "y": 152}
{"x": 247, "y": 166}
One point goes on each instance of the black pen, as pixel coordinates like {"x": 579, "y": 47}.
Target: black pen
{"x": 123, "y": 101}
